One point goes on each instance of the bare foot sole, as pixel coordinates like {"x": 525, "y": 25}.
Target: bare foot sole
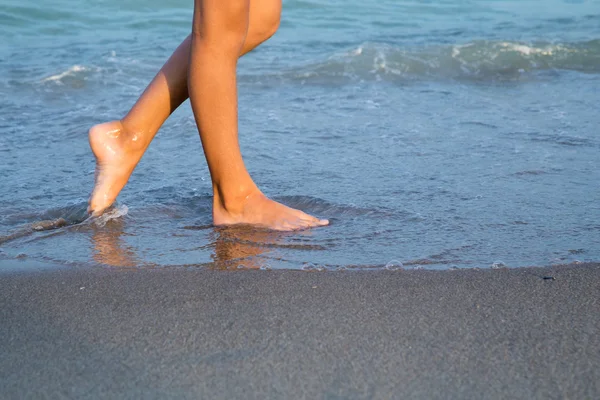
{"x": 115, "y": 161}
{"x": 261, "y": 211}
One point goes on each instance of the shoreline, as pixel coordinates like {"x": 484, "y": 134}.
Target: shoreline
{"x": 189, "y": 333}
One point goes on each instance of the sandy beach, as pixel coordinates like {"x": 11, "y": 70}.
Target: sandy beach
{"x": 195, "y": 333}
{"x": 452, "y": 145}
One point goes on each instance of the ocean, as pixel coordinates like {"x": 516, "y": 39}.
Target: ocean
{"x": 438, "y": 135}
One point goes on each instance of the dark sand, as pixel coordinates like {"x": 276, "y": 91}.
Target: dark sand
{"x": 99, "y": 333}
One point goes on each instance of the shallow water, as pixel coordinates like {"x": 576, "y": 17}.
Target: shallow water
{"x": 433, "y": 135}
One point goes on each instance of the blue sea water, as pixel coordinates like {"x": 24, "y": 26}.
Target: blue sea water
{"x": 433, "y": 134}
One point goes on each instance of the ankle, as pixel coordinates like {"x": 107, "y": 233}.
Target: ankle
{"x": 233, "y": 198}
{"x": 134, "y": 139}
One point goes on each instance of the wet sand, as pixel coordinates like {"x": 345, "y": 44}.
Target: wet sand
{"x": 101, "y": 333}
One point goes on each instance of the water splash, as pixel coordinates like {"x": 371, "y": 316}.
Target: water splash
{"x": 112, "y": 213}
{"x": 47, "y": 220}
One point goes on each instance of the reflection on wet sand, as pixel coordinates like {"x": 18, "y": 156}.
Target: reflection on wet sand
{"x": 241, "y": 247}
{"x": 110, "y": 249}
{"x": 234, "y": 247}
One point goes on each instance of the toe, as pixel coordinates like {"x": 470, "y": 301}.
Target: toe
{"x": 303, "y": 223}
{"x": 309, "y": 218}
{"x": 313, "y": 221}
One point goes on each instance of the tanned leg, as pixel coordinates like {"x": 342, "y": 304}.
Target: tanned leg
{"x": 218, "y": 33}
{"x": 119, "y": 145}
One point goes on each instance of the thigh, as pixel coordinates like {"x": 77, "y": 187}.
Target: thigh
{"x": 217, "y": 20}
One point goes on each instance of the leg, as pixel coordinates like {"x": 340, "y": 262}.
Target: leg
{"x": 119, "y": 145}
{"x": 218, "y": 34}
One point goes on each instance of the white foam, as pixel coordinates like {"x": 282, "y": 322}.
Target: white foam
{"x": 530, "y": 50}
{"x": 313, "y": 267}
{"x": 356, "y": 52}
{"x": 69, "y": 72}
{"x": 456, "y": 49}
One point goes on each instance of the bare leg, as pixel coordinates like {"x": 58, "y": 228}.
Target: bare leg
{"x": 119, "y": 145}
{"x": 218, "y": 34}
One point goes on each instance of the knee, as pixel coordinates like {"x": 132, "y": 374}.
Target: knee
{"x": 272, "y": 22}
{"x": 267, "y": 22}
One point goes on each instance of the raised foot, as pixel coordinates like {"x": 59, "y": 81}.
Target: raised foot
{"x": 116, "y": 154}
{"x": 259, "y": 210}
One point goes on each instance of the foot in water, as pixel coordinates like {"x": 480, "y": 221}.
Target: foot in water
{"x": 257, "y": 209}
{"x": 117, "y": 153}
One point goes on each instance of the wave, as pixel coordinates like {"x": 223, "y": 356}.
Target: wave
{"x": 482, "y": 60}
{"x": 61, "y": 217}
{"x": 478, "y": 60}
